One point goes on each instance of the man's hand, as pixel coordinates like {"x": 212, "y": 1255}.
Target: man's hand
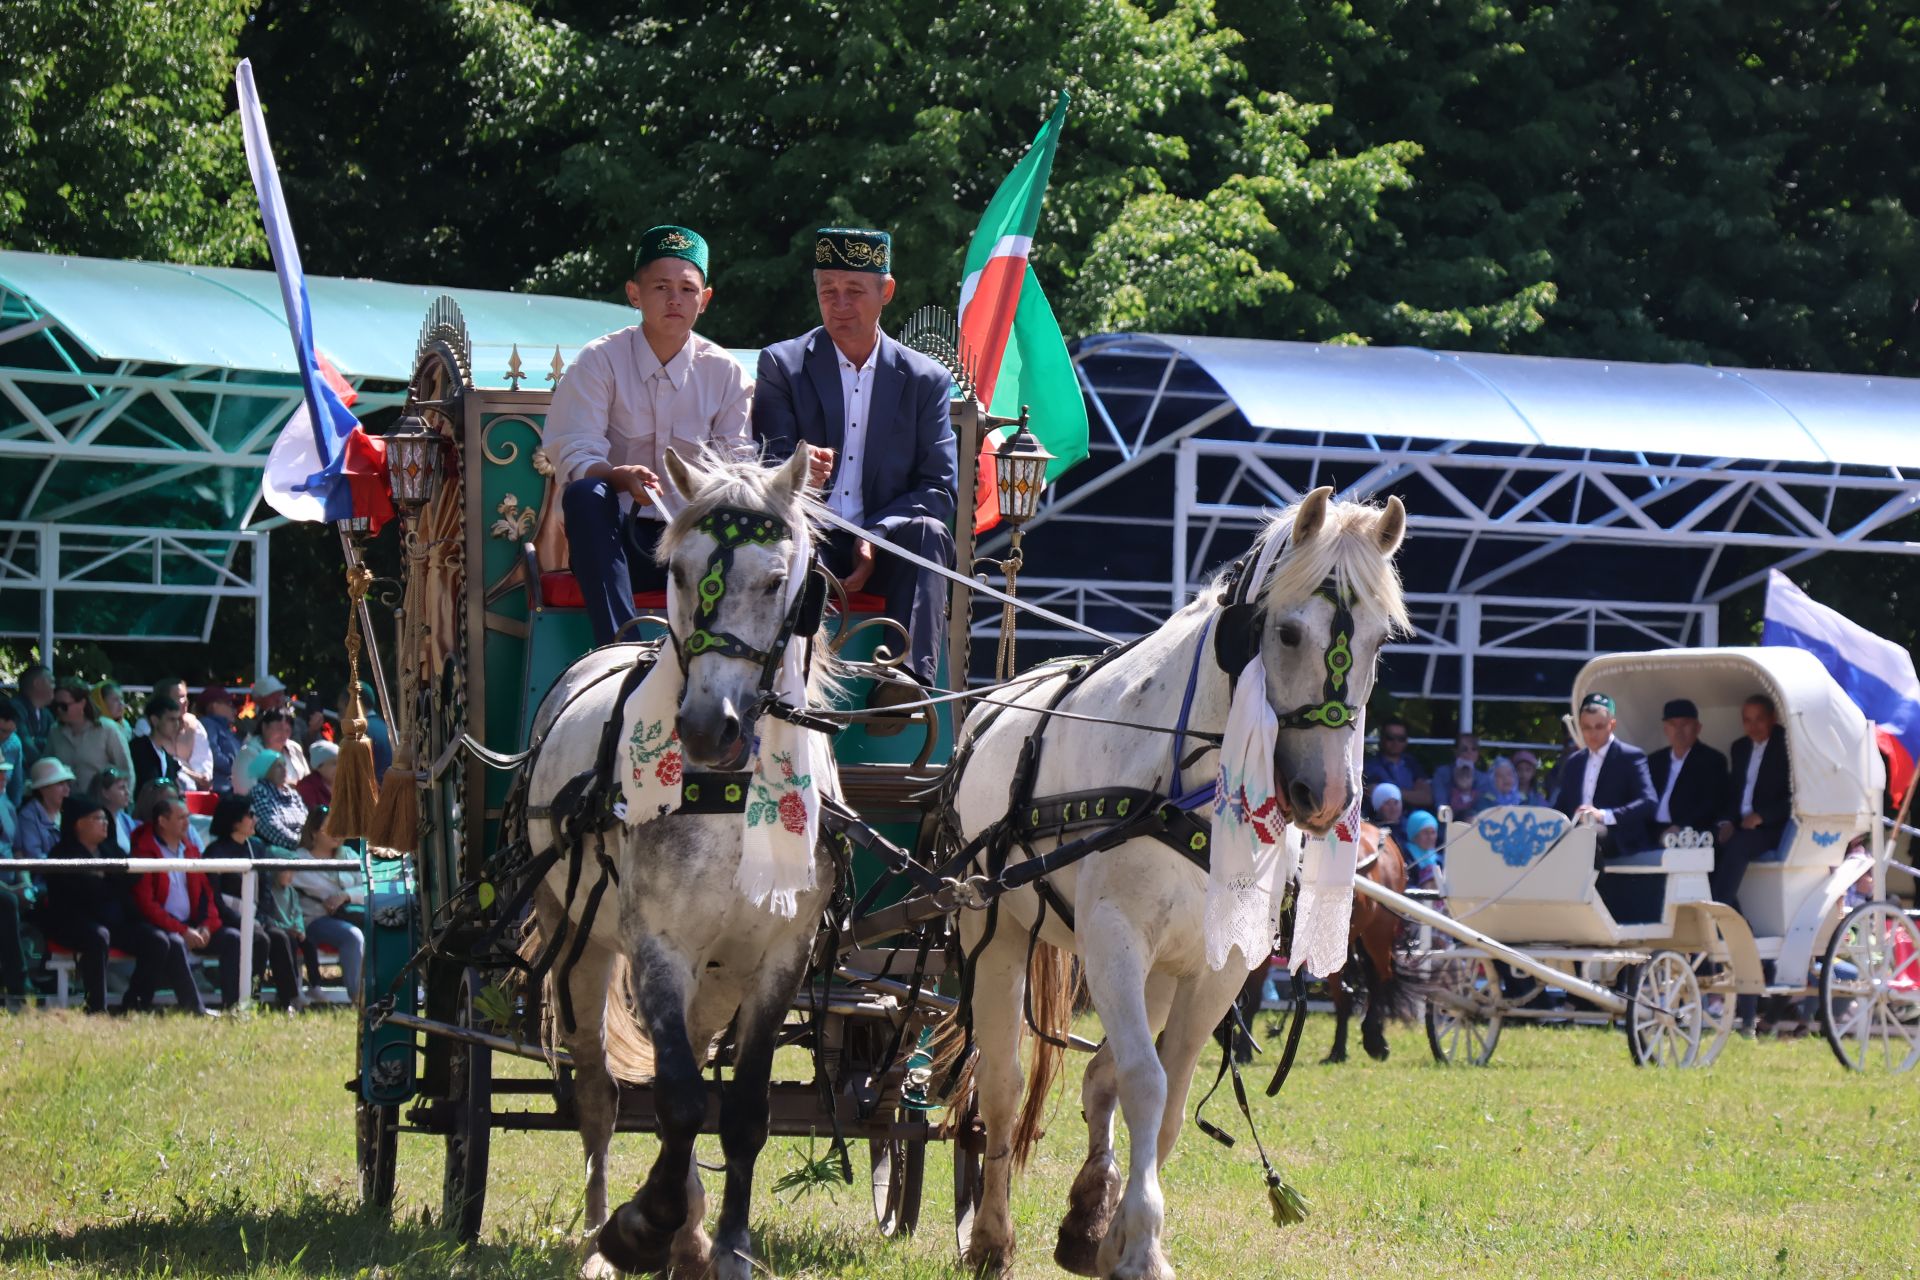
{"x": 1749, "y": 822}
{"x": 197, "y": 939}
{"x": 636, "y": 481}
{"x": 862, "y": 566}
{"x": 1724, "y": 832}
{"x": 819, "y": 466}
{"x": 1588, "y": 815}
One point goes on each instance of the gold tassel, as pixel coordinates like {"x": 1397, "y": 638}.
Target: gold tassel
{"x": 353, "y": 789}
{"x": 396, "y": 822}
{"x": 1289, "y": 1206}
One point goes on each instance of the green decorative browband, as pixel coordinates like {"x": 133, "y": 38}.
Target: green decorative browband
{"x": 730, "y": 528}
{"x": 1333, "y": 711}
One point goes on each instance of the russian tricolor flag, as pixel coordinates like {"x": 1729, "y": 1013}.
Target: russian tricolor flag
{"x": 305, "y": 476}
{"x": 1876, "y": 673}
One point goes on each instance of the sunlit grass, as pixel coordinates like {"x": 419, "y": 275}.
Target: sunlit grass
{"x": 164, "y": 1147}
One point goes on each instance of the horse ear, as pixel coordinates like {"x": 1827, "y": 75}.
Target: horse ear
{"x": 793, "y": 476}
{"x": 1312, "y": 514}
{"x": 1392, "y": 527}
{"x": 682, "y": 475}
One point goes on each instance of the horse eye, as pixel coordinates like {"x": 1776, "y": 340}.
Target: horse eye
{"x": 679, "y": 576}
{"x": 773, "y": 587}
{"x": 1290, "y": 635}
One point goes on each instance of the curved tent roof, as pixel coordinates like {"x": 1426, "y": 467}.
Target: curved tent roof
{"x": 1696, "y": 410}
{"x": 139, "y": 401}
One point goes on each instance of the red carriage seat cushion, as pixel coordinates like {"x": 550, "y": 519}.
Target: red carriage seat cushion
{"x": 561, "y": 591}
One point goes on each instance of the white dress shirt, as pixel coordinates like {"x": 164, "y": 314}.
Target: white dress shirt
{"x": 619, "y": 405}
{"x": 1753, "y": 777}
{"x": 178, "y": 904}
{"x": 856, "y": 393}
{"x": 1592, "y": 780}
{"x": 1663, "y": 813}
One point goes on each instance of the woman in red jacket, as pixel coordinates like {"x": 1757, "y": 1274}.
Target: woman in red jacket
{"x": 180, "y": 907}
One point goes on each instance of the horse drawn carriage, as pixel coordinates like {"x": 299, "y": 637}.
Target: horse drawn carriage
{"x": 488, "y": 619}
{"x": 533, "y": 904}
{"x": 1667, "y": 962}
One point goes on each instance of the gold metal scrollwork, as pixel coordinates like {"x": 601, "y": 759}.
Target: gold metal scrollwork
{"x": 511, "y": 450}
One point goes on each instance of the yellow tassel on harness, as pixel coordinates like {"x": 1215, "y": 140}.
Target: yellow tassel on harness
{"x": 396, "y": 822}
{"x": 352, "y": 810}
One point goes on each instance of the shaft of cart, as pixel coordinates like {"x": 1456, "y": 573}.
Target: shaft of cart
{"x": 1400, "y": 904}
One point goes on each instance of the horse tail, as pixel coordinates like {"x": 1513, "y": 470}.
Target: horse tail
{"x": 628, "y": 1051}
{"x": 1053, "y": 982}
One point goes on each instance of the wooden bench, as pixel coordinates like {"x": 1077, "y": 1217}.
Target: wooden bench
{"x": 61, "y": 962}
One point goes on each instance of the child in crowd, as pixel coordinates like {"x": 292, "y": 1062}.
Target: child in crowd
{"x": 1423, "y": 850}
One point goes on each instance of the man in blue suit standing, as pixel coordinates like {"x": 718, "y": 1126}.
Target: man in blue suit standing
{"x": 884, "y": 455}
{"x": 1606, "y": 782}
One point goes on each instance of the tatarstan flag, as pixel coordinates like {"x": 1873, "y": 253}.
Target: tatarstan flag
{"x": 1019, "y": 356}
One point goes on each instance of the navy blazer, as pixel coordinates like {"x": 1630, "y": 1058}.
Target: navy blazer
{"x": 910, "y": 465}
{"x": 1772, "y": 790}
{"x": 1623, "y": 786}
{"x": 1698, "y": 794}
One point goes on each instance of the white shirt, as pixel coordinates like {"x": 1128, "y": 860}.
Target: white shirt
{"x": 1592, "y": 780}
{"x": 1663, "y": 814}
{"x": 619, "y": 405}
{"x": 856, "y": 394}
{"x": 1753, "y": 776}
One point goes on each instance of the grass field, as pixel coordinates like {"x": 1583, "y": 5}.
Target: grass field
{"x": 163, "y": 1147}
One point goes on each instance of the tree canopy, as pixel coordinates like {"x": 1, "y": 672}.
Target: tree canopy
{"x": 1672, "y": 180}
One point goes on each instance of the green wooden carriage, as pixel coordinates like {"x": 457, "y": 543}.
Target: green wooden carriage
{"x": 487, "y": 618}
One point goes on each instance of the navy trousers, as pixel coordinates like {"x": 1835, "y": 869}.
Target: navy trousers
{"x": 915, "y": 598}
{"x": 611, "y": 556}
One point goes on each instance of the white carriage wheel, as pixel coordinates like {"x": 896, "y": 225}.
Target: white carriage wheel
{"x": 1665, "y": 1018}
{"x": 1870, "y": 990}
{"x": 1464, "y": 1013}
{"x": 1713, "y": 971}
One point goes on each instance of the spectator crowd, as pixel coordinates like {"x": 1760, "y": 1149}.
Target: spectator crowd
{"x": 1403, "y": 796}
{"x": 221, "y": 774}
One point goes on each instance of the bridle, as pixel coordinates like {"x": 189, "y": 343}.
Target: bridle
{"x": 732, "y": 528}
{"x": 1237, "y": 639}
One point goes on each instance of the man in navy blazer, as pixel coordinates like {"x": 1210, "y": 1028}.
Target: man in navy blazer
{"x": 1606, "y": 782}
{"x": 884, "y": 455}
{"x": 1689, "y": 777}
{"x": 1759, "y": 800}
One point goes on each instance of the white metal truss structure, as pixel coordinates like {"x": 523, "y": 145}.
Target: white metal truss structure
{"x": 1527, "y": 552}
{"x": 133, "y": 486}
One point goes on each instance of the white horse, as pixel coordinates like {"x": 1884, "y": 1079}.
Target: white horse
{"x": 698, "y": 954}
{"x": 1137, "y": 909}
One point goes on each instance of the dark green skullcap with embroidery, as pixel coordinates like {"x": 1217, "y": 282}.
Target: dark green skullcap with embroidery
{"x": 1597, "y": 702}
{"x": 671, "y": 242}
{"x": 852, "y": 249}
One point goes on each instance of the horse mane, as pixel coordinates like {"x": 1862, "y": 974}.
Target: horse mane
{"x": 1347, "y": 550}
{"x": 741, "y": 480}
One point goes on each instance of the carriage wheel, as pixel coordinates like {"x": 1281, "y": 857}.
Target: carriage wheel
{"x": 1464, "y": 1010}
{"x": 376, "y": 1138}
{"x": 463, "y": 1196}
{"x": 1870, "y": 990}
{"x": 1713, "y": 971}
{"x": 1666, "y": 1017}
{"x": 969, "y": 1179}
{"x": 899, "y": 1172}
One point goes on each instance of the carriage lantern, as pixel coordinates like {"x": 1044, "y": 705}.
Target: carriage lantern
{"x": 414, "y": 459}
{"x": 355, "y": 526}
{"x": 1020, "y": 470}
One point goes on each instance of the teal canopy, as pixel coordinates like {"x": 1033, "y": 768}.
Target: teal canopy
{"x": 139, "y": 401}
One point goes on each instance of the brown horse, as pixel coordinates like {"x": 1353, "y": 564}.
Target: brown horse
{"x": 1370, "y": 942}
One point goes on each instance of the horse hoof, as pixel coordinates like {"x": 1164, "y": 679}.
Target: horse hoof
{"x": 633, "y": 1244}
{"x": 1075, "y": 1254}
{"x": 1333, "y": 1059}
{"x": 1377, "y": 1052}
{"x": 596, "y": 1267}
{"x": 1090, "y": 1205}
{"x": 987, "y": 1261}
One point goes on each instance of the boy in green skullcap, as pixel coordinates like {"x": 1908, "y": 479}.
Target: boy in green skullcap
{"x": 626, "y": 398}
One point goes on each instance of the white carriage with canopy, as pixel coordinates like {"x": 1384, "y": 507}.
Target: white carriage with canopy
{"x": 1813, "y": 914}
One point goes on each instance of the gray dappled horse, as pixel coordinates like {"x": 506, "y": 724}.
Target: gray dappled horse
{"x": 698, "y": 954}
{"x": 1137, "y": 908}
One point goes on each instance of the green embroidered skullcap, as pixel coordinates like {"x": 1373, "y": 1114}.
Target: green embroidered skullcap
{"x": 851, "y": 249}
{"x": 671, "y": 242}
{"x": 1597, "y": 702}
